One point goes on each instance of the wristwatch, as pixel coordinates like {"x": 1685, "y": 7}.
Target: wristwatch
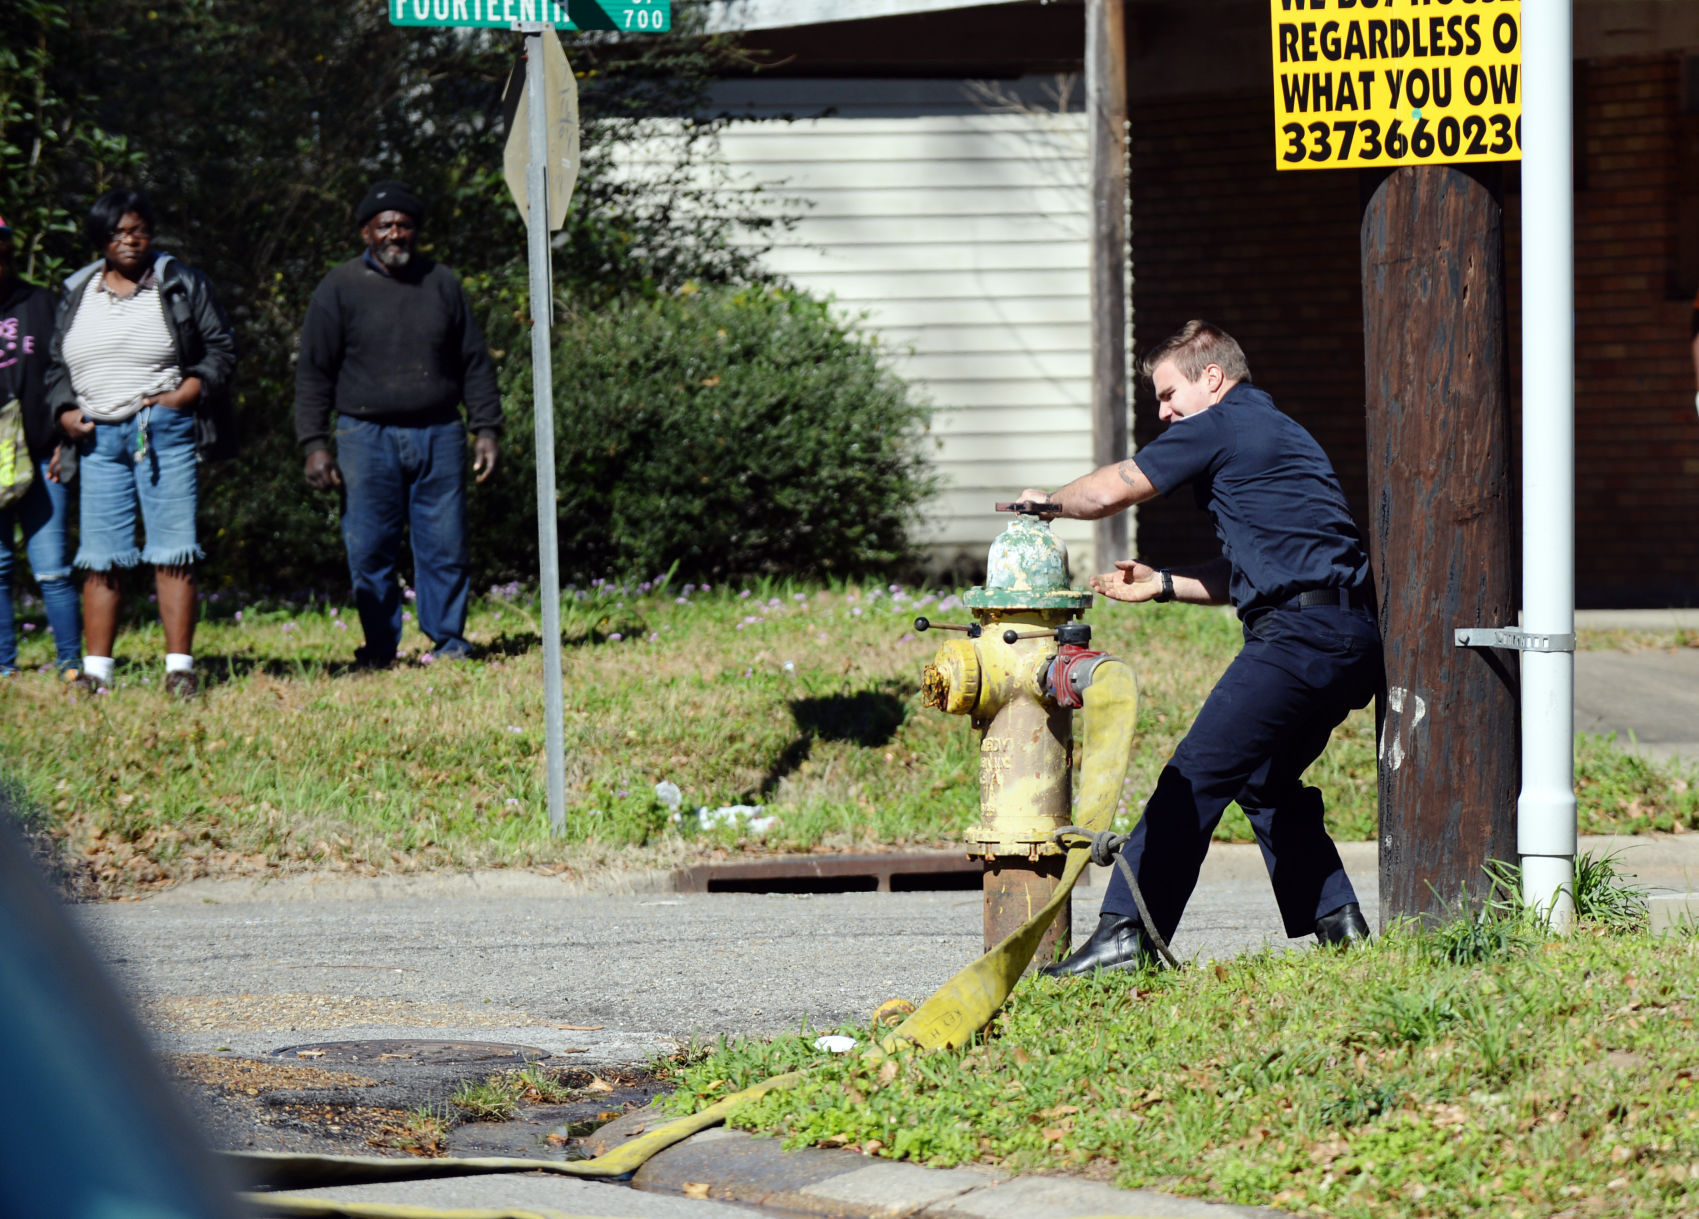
{"x": 1167, "y": 593}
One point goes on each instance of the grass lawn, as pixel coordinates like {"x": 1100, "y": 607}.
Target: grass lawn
{"x": 1478, "y": 1069}
{"x": 801, "y": 699}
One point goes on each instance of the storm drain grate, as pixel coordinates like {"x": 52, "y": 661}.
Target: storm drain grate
{"x": 934, "y": 870}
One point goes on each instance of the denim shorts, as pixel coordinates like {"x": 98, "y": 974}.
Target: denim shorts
{"x": 120, "y": 476}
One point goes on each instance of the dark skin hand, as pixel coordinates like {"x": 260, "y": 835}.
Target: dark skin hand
{"x": 483, "y": 457}
{"x": 321, "y": 471}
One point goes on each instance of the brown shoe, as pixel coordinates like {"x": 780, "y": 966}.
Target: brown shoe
{"x": 77, "y": 683}
{"x": 182, "y": 684}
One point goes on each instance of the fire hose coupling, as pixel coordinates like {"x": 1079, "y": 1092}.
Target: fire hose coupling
{"x": 1071, "y": 672}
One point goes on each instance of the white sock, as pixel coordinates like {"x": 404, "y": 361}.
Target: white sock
{"x": 99, "y": 667}
{"x": 179, "y": 662}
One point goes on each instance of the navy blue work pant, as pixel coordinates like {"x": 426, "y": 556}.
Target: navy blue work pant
{"x": 1300, "y": 673}
{"x": 412, "y": 478}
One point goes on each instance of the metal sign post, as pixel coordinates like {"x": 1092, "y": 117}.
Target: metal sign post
{"x": 557, "y": 157}
{"x": 543, "y": 418}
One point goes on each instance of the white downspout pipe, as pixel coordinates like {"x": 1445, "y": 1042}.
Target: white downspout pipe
{"x": 1545, "y": 811}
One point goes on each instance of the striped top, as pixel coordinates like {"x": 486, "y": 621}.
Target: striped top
{"x": 120, "y": 350}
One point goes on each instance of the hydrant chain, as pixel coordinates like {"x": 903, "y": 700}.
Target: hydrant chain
{"x": 1106, "y": 849}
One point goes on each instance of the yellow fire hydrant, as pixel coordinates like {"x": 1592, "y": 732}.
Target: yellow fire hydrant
{"x": 1003, "y": 675}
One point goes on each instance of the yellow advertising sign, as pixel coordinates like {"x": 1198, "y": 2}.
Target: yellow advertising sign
{"x": 1396, "y": 82}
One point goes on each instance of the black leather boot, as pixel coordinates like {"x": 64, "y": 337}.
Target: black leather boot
{"x": 1118, "y": 943}
{"x": 1343, "y": 927}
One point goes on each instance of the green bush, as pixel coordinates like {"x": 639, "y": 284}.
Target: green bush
{"x": 728, "y": 430}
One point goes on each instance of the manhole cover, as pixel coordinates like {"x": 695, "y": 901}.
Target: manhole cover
{"x": 427, "y": 1052}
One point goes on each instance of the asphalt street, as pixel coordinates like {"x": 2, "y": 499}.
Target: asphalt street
{"x": 513, "y": 958}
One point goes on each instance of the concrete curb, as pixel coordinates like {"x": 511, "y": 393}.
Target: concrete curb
{"x": 723, "y": 1174}
{"x": 743, "y": 1169}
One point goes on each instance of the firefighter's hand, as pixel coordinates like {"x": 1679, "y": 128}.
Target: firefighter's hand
{"x": 1032, "y": 495}
{"x": 1130, "y": 581}
{"x": 321, "y": 471}
{"x": 483, "y": 457}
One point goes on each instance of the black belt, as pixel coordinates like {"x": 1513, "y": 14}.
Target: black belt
{"x": 1344, "y": 598}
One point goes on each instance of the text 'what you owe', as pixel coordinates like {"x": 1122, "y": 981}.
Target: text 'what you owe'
{"x": 1390, "y": 82}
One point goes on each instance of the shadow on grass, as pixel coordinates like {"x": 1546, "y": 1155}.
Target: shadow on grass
{"x": 868, "y": 718}
{"x": 218, "y": 669}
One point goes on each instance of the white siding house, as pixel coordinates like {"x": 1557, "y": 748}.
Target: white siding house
{"x": 953, "y": 219}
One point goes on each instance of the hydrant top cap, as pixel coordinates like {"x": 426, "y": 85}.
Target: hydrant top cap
{"x": 1028, "y": 557}
{"x": 1027, "y": 566}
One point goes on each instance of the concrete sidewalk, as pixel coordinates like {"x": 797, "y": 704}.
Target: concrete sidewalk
{"x": 1647, "y": 697}
{"x": 1649, "y": 701}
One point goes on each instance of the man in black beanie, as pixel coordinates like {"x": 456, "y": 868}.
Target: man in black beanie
{"x": 389, "y": 351}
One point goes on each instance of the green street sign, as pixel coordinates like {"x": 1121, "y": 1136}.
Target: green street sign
{"x": 634, "y": 16}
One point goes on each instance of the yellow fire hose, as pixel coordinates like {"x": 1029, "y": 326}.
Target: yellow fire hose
{"x": 960, "y": 1008}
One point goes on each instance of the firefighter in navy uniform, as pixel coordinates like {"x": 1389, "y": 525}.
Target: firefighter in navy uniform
{"x": 1294, "y": 568}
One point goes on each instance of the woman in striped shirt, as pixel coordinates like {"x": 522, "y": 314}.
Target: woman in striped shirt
{"x": 140, "y": 344}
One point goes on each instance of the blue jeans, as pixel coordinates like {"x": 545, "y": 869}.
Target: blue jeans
{"x": 41, "y": 514}
{"x": 1300, "y": 673}
{"x": 161, "y": 482}
{"x": 412, "y": 477}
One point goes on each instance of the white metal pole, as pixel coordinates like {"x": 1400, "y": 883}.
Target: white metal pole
{"x": 543, "y": 411}
{"x": 1545, "y": 824}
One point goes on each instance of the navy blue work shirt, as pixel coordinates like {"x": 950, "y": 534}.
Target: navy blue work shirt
{"x": 1278, "y": 507}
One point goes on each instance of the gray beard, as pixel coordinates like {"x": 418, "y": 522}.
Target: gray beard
{"x": 393, "y": 258}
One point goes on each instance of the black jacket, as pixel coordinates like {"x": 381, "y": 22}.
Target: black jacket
{"x": 202, "y": 334}
{"x": 26, "y": 337}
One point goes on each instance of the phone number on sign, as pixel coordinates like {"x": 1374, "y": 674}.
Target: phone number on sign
{"x": 1343, "y": 140}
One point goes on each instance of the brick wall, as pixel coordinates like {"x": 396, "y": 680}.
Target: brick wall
{"x": 1270, "y": 257}
{"x": 1636, "y": 431}
{"x": 1274, "y": 259}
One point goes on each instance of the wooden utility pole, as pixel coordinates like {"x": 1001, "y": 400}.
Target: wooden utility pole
{"x": 1443, "y": 513}
{"x": 1106, "y": 110}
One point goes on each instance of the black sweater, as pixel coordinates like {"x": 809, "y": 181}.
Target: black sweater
{"x": 26, "y": 343}
{"x": 399, "y": 349}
